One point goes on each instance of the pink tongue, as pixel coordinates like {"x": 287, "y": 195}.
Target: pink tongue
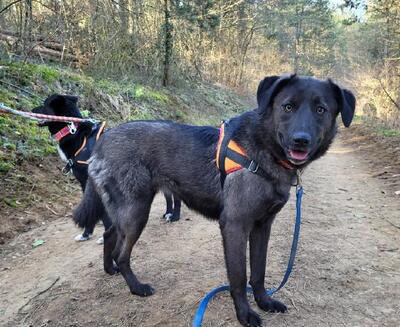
{"x": 298, "y": 155}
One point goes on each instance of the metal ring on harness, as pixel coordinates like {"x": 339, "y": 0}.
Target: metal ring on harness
{"x": 72, "y": 128}
{"x": 67, "y": 168}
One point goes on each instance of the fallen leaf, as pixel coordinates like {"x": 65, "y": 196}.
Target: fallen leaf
{"x": 37, "y": 243}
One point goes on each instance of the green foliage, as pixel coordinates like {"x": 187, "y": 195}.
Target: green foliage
{"x": 103, "y": 99}
{"x": 386, "y": 132}
{"x": 21, "y": 139}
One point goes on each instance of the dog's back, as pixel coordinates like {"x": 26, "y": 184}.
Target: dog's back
{"x": 160, "y": 148}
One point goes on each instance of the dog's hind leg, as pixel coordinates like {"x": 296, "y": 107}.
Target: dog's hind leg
{"x": 132, "y": 221}
{"x": 110, "y": 241}
{"x": 176, "y": 214}
{"x": 259, "y": 237}
{"x": 168, "y": 200}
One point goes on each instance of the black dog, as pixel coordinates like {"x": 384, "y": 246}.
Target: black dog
{"x": 258, "y": 154}
{"x": 75, "y": 146}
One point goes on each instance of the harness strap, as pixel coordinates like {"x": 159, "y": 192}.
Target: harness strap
{"x": 82, "y": 155}
{"x": 231, "y": 157}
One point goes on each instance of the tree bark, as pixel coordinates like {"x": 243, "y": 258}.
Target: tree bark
{"x": 167, "y": 44}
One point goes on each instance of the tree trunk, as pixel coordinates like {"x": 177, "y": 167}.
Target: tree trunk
{"x": 167, "y": 44}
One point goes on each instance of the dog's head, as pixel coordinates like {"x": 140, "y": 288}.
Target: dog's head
{"x": 58, "y": 105}
{"x": 302, "y": 112}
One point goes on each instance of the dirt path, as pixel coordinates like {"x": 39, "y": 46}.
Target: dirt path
{"x": 347, "y": 271}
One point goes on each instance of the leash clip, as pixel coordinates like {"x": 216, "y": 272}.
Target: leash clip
{"x": 253, "y": 167}
{"x": 67, "y": 169}
{"x": 299, "y": 181}
{"x": 72, "y": 128}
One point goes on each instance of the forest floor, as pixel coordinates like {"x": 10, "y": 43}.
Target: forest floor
{"x": 347, "y": 271}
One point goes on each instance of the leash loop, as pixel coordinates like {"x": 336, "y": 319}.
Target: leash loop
{"x": 198, "y": 318}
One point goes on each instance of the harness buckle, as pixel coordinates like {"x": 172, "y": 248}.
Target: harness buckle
{"x": 253, "y": 167}
{"x": 72, "y": 128}
{"x": 67, "y": 169}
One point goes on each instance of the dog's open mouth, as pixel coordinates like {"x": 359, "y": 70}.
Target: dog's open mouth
{"x": 298, "y": 156}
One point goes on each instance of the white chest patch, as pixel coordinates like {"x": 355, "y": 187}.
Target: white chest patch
{"x": 61, "y": 154}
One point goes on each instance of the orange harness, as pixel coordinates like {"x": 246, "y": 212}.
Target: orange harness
{"x": 230, "y": 157}
{"x": 82, "y": 155}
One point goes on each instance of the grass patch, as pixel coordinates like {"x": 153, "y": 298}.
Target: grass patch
{"x": 388, "y": 132}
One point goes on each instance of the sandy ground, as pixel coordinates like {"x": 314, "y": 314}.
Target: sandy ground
{"x": 347, "y": 272}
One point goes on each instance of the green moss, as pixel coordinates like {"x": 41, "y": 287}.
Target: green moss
{"x": 7, "y": 97}
{"x": 388, "y": 132}
{"x": 25, "y": 72}
{"x": 5, "y": 167}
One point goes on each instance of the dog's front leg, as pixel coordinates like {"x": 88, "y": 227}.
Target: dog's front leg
{"x": 235, "y": 234}
{"x": 259, "y": 237}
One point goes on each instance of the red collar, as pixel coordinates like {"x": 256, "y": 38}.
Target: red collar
{"x": 286, "y": 164}
{"x": 64, "y": 132}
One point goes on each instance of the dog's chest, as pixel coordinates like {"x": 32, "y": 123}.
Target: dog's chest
{"x": 279, "y": 197}
{"x": 62, "y": 154}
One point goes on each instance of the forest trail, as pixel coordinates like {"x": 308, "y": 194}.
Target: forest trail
{"x": 347, "y": 271}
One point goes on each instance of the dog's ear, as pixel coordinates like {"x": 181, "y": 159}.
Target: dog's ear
{"x": 71, "y": 98}
{"x": 55, "y": 101}
{"x": 346, "y": 101}
{"x": 268, "y": 88}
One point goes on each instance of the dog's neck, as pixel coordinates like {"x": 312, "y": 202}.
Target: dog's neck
{"x": 70, "y": 143}
{"x": 259, "y": 144}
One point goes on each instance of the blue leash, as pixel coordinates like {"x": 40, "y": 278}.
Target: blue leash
{"x": 198, "y": 318}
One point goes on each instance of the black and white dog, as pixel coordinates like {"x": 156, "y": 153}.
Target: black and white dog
{"x": 75, "y": 145}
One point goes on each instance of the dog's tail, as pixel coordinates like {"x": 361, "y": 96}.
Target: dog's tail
{"x": 91, "y": 209}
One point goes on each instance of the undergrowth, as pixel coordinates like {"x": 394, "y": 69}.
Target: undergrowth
{"x": 24, "y": 86}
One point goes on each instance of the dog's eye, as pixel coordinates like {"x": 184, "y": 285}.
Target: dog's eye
{"x": 320, "y": 110}
{"x": 288, "y": 107}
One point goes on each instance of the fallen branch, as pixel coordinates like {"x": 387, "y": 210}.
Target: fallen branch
{"x": 52, "y": 211}
{"x": 19, "y": 88}
{"x": 392, "y": 223}
{"x": 9, "y": 6}
{"x": 388, "y": 95}
{"x": 38, "y": 294}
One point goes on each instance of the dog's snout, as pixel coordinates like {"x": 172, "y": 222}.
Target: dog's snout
{"x": 301, "y": 139}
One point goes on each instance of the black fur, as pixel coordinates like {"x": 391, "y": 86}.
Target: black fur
{"x": 295, "y": 121}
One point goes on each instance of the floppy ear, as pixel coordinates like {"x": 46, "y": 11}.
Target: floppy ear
{"x": 72, "y": 98}
{"x": 55, "y": 101}
{"x": 347, "y": 103}
{"x": 268, "y": 88}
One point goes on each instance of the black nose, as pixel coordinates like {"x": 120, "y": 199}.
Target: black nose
{"x": 301, "y": 139}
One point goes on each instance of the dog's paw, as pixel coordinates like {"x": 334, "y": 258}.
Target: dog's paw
{"x": 173, "y": 218}
{"x": 250, "y": 319}
{"x": 113, "y": 270}
{"x": 143, "y": 290}
{"x": 167, "y": 216}
{"x": 271, "y": 305}
{"x": 82, "y": 237}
